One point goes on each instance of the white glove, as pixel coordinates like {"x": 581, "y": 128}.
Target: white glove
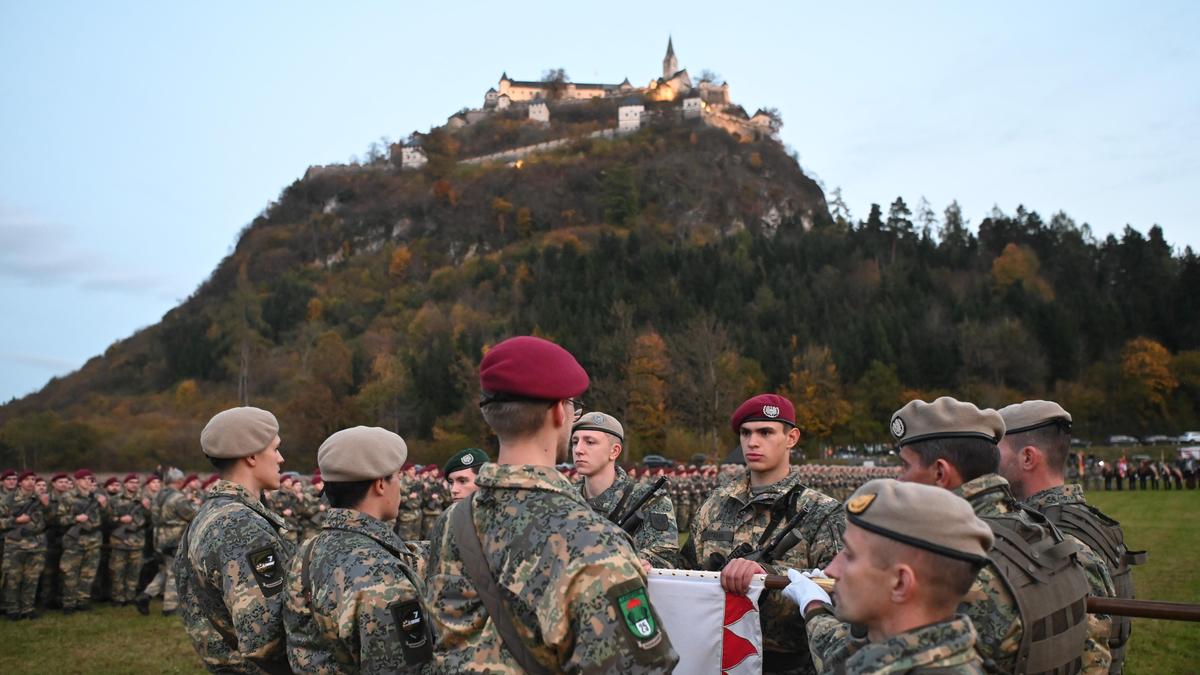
{"x": 804, "y": 590}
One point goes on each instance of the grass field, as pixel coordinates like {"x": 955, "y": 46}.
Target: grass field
{"x": 118, "y": 640}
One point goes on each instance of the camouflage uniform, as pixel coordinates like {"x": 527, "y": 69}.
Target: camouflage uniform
{"x": 657, "y": 540}
{"x": 946, "y": 647}
{"x": 175, "y": 511}
{"x": 564, "y": 572}
{"x": 128, "y": 539}
{"x": 361, "y": 588}
{"x": 738, "y": 514}
{"x": 81, "y": 546}
{"x": 989, "y": 603}
{"x": 230, "y": 574}
{"x": 408, "y": 522}
{"x": 1097, "y": 655}
{"x": 24, "y": 551}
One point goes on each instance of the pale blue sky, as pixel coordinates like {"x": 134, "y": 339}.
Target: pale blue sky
{"x": 138, "y": 138}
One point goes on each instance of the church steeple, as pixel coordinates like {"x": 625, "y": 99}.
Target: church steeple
{"x": 670, "y": 65}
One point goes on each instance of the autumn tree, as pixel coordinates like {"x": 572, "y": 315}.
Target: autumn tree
{"x": 815, "y": 388}
{"x": 1146, "y": 369}
{"x": 1020, "y": 265}
{"x": 646, "y": 379}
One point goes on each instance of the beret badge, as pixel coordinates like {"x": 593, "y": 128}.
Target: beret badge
{"x": 597, "y": 419}
{"x": 467, "y": 459}
{"x": 860, "y": 503}
{"x": 771, "y": 410}
{"x": 898, "y": 427}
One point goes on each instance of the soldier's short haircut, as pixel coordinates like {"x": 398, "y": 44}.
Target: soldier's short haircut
{"x": 515, "y": 419}
{"x": 349, "y": 494}
{"x": 945, "y": 579}
{"x": 1054, "y": 440}
{"x": 223, "y": 465}
{"x": 972, "y": 457}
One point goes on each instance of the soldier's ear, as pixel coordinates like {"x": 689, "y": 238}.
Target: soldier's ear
{"x": 904, "y": 584}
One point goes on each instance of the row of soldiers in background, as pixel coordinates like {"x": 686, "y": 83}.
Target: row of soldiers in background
{"x": 1144, "y": 474}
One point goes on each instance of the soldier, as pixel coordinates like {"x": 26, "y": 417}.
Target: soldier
{"x": 151, "y": 567}
{"x": 128, "y": 538}
{"x": 50, "y": 588}
{"x": 765, "y": 520}
{"x": 230, "y": 567}
{"x": 408, "y": 523}
{"x": 175, "y": 510}
{"x": 597, "y": 441}
{"x": 582, "y": 603}
{"x": 460, "y": 472}
{"x": 1029, "y": 603}
{"x": 1031, "y": 459}
{"x": 102, "y": 587}
{"x": 80, "y": 514}
{"x": 353, "y": 598}
{"x": 911, "y": 553}
{"x": 23, "y": 523}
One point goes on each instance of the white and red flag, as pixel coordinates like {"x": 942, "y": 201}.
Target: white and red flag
{"x": 713, "y": 632}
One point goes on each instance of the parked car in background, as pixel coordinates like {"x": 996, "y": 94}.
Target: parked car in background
{"x": 1158, "y": 439}
{"x": 1119, "y": 439}
{"x": 1190, "y": 437}
{"x": 1080, "y": 443}
{"x": 657, "y": 462}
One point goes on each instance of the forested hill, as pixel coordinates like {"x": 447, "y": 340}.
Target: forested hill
{"x": 684, "y": 269}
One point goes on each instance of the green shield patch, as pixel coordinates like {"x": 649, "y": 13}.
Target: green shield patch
{"x": 635, "y": 609}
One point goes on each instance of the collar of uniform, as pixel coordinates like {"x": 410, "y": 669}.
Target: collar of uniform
{"x": 989, "y": 494}
{"x": 611, "y": 494}
{"x": 524, "y": 477}
{"x": 357, "y": 521}
{"x": 740, "y": 489}
{"x": 1059, "y": 494}
{"x": 226, "y": 488}
{"x": 949, "y": 642}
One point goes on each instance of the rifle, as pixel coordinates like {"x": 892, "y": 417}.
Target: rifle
{"x": 632, "y": 520}
{"x": 1142, "y": 609}
{"x": 766, "y": 553}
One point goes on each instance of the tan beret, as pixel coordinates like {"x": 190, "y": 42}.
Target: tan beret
{"x": 361, "y": 453}
{"x": 945, "y": 418}
{"x": 598, "y": 421}
{"x": 238, "y": 432}
{"x": 1031, "y": 415}
{"x": 924, "y": 516}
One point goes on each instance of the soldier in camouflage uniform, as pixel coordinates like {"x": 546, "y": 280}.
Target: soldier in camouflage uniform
{"x": 461, "y": 470}
{"x": 597, "y": 441}
{"x": 231, "y": 562}
{"x": 8, "y": 487}
{"x": 23, "y": 524}
{"x": 408, "y": 523}
{"x": 128, "y": 537}
{"x": 557, "y": 588}
{"x": 952, "y": 444}
{"x": 175, "y": 510}
{"x": 765, "y": 521}
{"x": 353, "y": 598}
{"x": 81, "y": 516}
{"x": 1032, "y": 454}
{"x": 911, "y": 553}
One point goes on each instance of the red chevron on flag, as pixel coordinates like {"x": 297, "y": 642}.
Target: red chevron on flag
{"x": 712, "y": 631}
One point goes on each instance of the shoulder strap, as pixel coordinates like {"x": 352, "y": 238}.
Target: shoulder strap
{"x": 617, "y": 513}
{"x": 475, "y": 564}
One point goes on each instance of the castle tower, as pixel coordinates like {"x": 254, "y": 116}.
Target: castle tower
{"x": 670, "y": 65}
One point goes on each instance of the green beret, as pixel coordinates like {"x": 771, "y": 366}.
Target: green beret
{"x": 470, "y": 458}
{"x": 598, "y": 421}
{"x": 361, "y": 453}
{"x": 930, "y": 518}
{"x": 945, "y": 418}
{"x": 1030, "y": 415}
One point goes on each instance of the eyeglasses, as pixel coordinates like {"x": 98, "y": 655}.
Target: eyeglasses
{"x": 578, "y": 406}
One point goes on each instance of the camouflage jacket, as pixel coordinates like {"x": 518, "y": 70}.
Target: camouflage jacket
{"x": 73, "y": 503}
{"x": 946, "y": 647}
{"x": 175, "y": 511}
{"x": 230, "y": 576}
{"x": 357, "y": 607}
{"x": 568, "y": 577}
{"x": 127, "y": 536}
{"x": 29, "y": 536}
{"x": 657, "y": 540}
{"x": 1097, "y": 655}
{"x": 734, "y": 515}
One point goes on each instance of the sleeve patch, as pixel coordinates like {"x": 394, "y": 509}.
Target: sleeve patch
{"x": 660, "y": 521}
{"x": 635, "y": 616}
{"x": 413, "y": 629}
{"x": 267, "y": 569}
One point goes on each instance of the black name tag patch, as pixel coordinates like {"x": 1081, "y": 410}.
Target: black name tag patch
{"x": 413, "y": 630}
{"x": 267, "y": 569}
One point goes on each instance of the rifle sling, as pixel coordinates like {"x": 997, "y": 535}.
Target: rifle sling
{"x": 476, "y": 567}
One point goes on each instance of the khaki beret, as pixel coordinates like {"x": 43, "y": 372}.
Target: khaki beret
{"x": 238, "y": 432}
{"x": 361, "y": 453}
{"x": 471, "y": 458}
{"x": 598, "y": 421}
{"x": 945, "y": 418}
{"x": 1030, "y": 415}
{"x": 930, "y": 518}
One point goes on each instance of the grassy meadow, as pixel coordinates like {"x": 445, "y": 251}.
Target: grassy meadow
{"x": 118, "y": 640}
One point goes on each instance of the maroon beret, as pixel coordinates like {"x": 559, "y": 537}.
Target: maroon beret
{"x": 528, "y": 367}
{"x": 59, "y": 475}
{"x": 190, "y": 477}
{"x": 130, "y": 476}
{"x": 111, "y": 480}
{"x": 84, "y": 473}
{"x": 210, "y": 480}
{"x": 26, "y": 474}
{"x": 763, "y": 408}
{"x": 152, "y": 476}
{"x": 7, "y": 473}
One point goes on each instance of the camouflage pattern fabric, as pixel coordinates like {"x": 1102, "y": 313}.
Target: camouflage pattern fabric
{"x": 127, "y": 541}
{"x": 81, "y": 546}
{"x": 1097, "y": 655}
{"x": 989, "y": 603}
{"x": 569, "y": 578}
{"x": 657, "y": 540}
{"x": 946, "y": 647}
{"x": 362, "y": 607}
{"x": 230, "y": 578}
{"x": 285, "y": 504}
{"x": 408, "y": 522}
{"x": 175, "y": 511}
{"x": 24, "y": 551}
{"x": 736, "y": 515}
